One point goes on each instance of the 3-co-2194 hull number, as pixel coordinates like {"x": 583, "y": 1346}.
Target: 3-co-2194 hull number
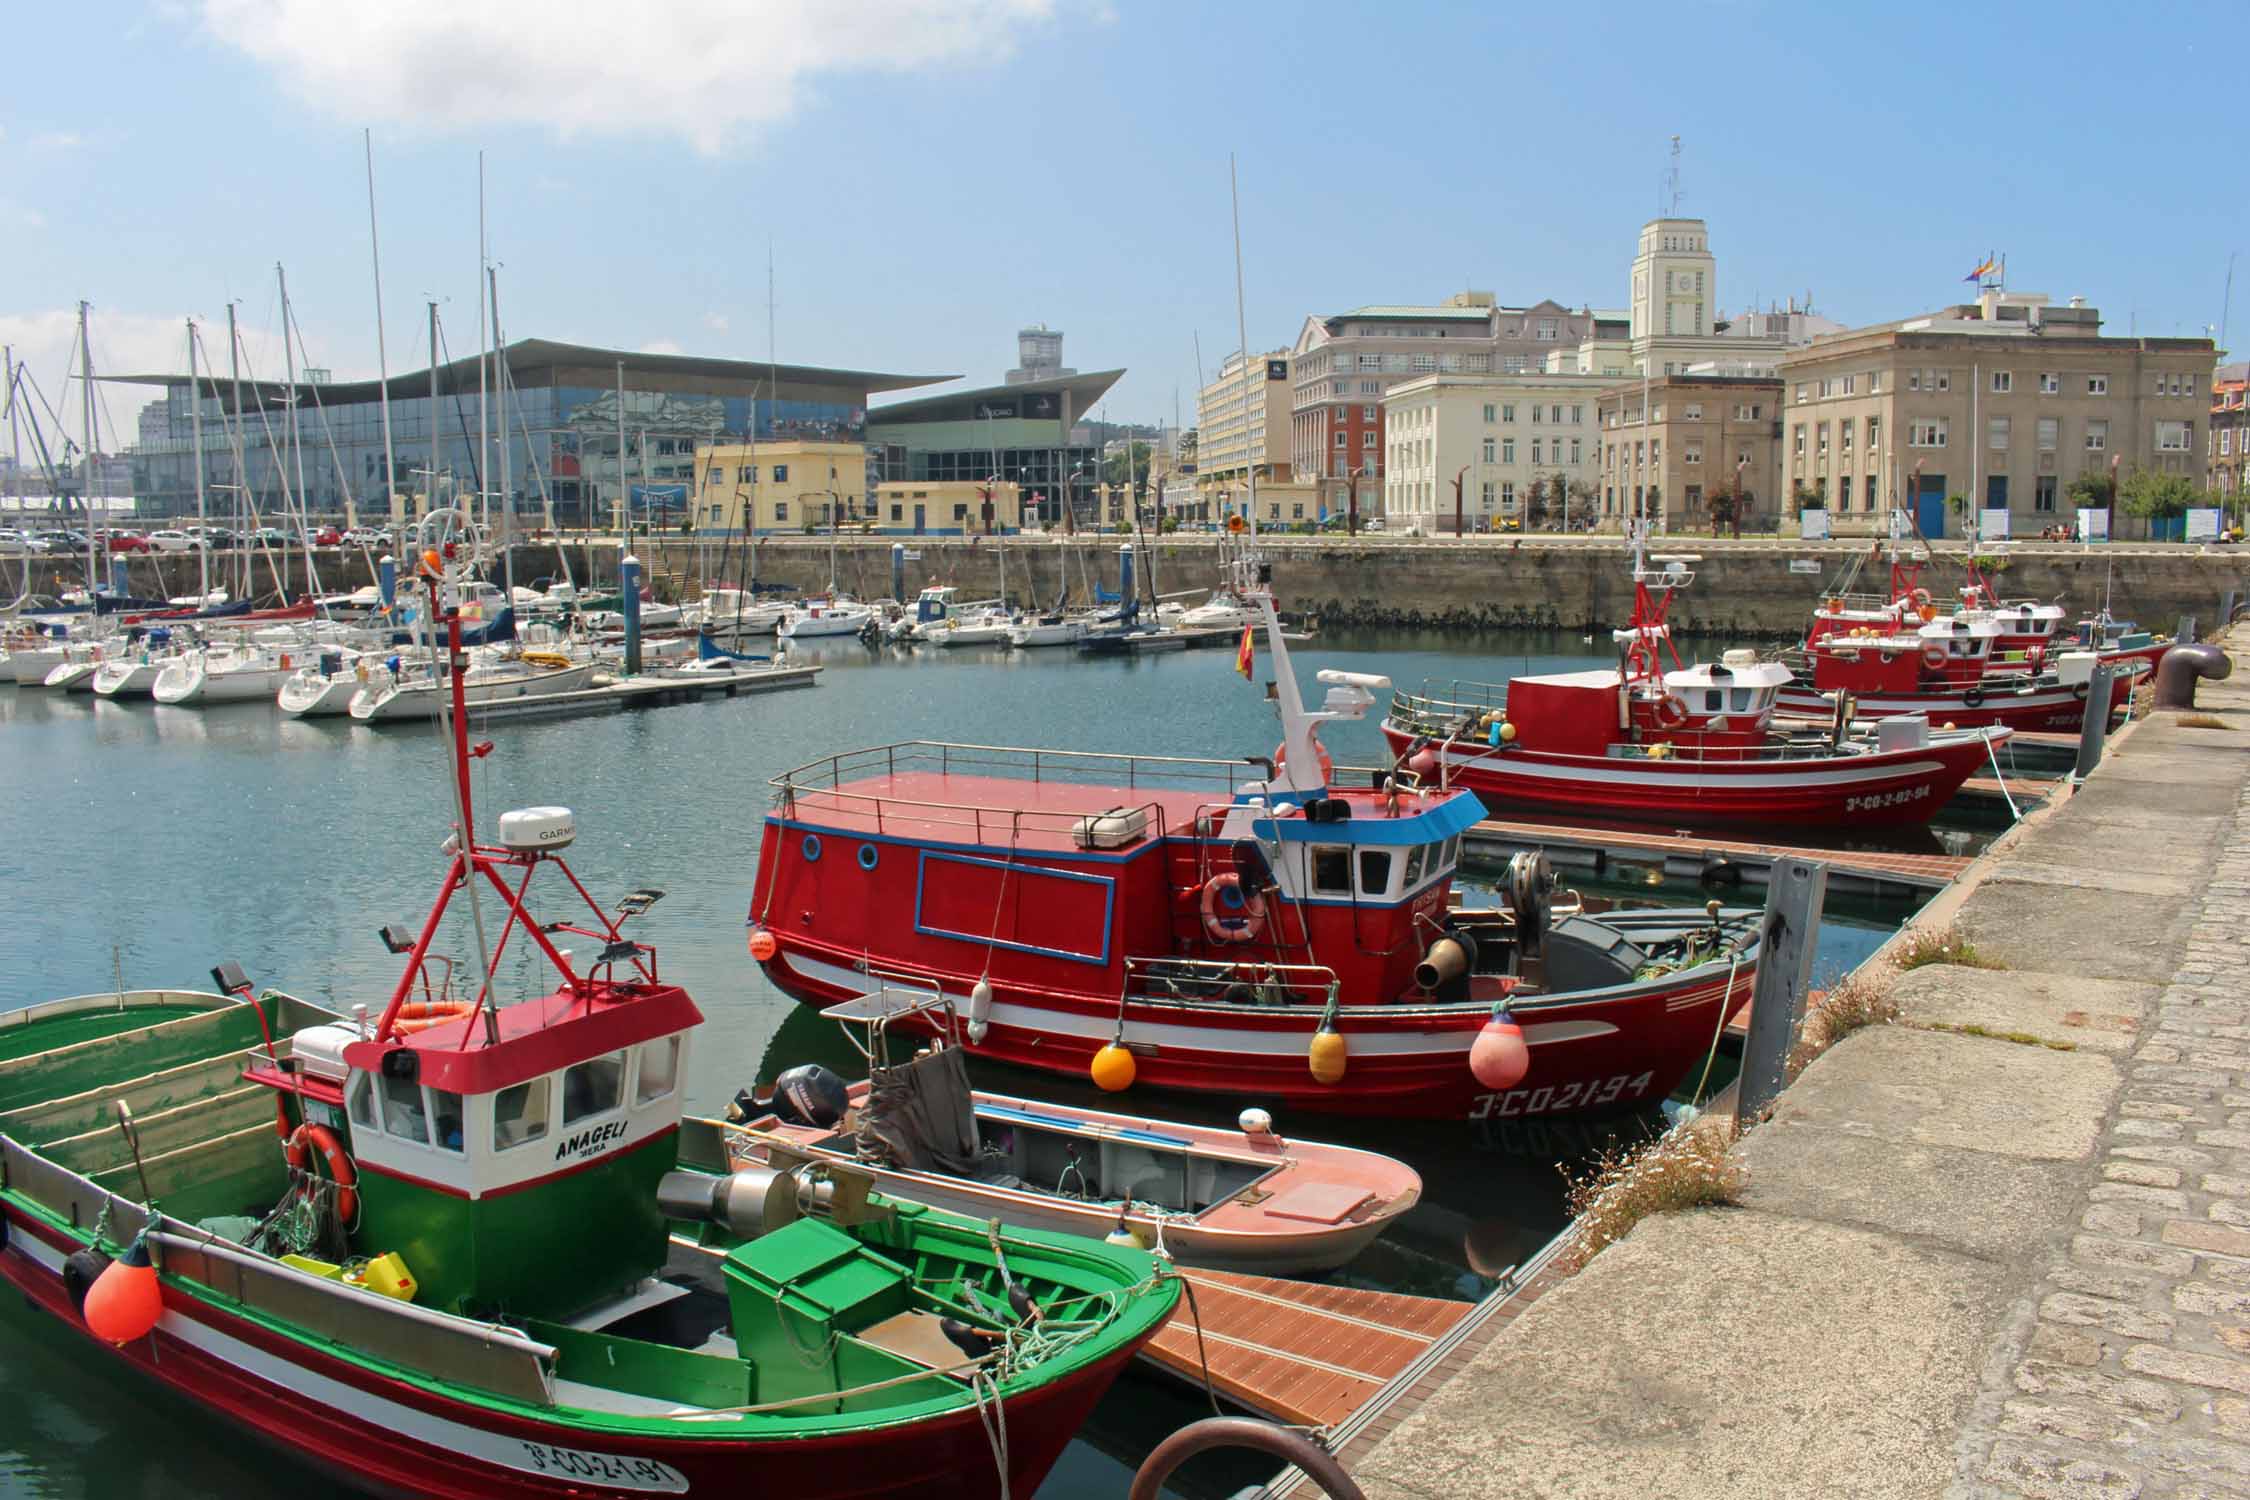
{"x": 1554, "y": 1098}
{"x": 606, "y": 1468}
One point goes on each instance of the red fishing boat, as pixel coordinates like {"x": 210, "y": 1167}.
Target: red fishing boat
{"x": 1686, "y": 746}
{"x": 1254, "y": 928}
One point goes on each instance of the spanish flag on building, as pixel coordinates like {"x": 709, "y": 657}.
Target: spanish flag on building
{"x": 1991, "y": 264}
{"x": 1246, "y": 653}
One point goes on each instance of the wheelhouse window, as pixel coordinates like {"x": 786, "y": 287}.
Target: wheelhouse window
{"x": 594, "y": 1087}
{"x": 1417, "y": 863}
{"x": 520, "y": 1114}
{"x": 1374, "y": 872}
{"x": 362, "y": 1101}
{"x": 446, "y": 1120}
{"x": 660, "y": 1070}
{"x": 1742, "y": 699}
{"x": 404, "y": 1114}
{"x": 1331, "y": 870}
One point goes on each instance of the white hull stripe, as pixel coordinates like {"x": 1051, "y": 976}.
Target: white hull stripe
{"x": 382, "y": 1414}
{"x": 1935, "y": 701}
{"x": 1814, "y": 774}
{"x": 1218, "y": 1040}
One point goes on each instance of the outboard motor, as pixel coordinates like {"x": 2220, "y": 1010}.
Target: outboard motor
{"x": 810, "y": 1094}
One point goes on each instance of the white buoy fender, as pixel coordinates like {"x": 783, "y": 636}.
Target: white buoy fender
{"x": 980, "y": 1010}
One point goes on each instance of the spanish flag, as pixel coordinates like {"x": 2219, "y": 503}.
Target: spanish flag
{"x": 1245, "y": 653}
{"x": 1991, "y": 264}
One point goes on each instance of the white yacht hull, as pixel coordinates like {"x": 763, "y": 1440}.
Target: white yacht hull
{"x": 308, "y": 695}
{"x": 804, "y": 627}
{"x": 1044, "y": 633}
{"x": 126, "y": 679}
{"x": 30, "y": 668}
{"x": 189, "y": 683}
{"x": 378, "y": 703}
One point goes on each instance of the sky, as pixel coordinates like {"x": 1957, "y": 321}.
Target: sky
{"x": 928, "y": 178}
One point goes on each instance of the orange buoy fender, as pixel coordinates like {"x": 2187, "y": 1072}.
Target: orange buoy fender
{"x": 1232, "y": 911}
{"x": 1499, "y": 1057}
{"x": 125, "y": 1301}
{"x": 1327, "y": 765}
{"x": 298, "y": 1152}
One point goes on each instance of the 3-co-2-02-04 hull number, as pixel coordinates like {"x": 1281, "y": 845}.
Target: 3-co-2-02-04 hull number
{"x": 1554, "y": 1098}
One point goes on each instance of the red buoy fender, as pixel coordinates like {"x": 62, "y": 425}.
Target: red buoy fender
{"x": 298, "y": 1152}
{"x": 1232, "y": 911}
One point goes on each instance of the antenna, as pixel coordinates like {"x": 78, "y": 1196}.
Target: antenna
{"x": 1669, "y": 194}
{"x": 2226, "y": 303}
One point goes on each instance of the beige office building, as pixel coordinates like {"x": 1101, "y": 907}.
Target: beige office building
{"x": 1500, "y": 435}
{"x": 1668, "y": 448}
{"x": 782, "y": 486}
{"x": 2001, "y": 403}
{"x": 1242, "y": 422}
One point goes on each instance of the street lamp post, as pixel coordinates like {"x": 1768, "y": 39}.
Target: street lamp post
{"x": 1737, "y": 507}
{"x": 1459, "y": 525}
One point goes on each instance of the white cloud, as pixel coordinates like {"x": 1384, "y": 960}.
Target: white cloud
{"x": 708, "y": 71}
{"x": 57, "y": 140}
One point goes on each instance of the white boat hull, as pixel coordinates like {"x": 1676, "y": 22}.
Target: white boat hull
{"x": 30, "y": 668}
{"x": 804, "y": 627}
{"x": 308, "y": 695}
{"x": 73, "y": 676}
{"x": 190, "y": 683}
{"x": 1061, "y": 633}
{"x": 126, "y": 679}
{"x": 379, "y": 702}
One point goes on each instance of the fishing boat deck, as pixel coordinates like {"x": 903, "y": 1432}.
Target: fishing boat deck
{"x": 1687, "y": 853}
{"x": 1298, "y": 1351}
{"x": 978, "y": 808}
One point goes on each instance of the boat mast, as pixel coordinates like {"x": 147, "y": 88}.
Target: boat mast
{"x": 296, "y": 437}
{"x": 1242, "y": 332}
{"x": 429, "y": 482}
{"x": 624, "y": 497}
{"x": 481, "y": 510}
{"x": 195, "y": 427}
{"x": 86, "y": 395}
{"x": 500, "y": 400}
{"x": 241, "y": 458}
{"x": 382, "y": 361}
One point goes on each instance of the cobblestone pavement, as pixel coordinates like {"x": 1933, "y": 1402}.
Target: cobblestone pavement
{"x": 2134, "y": 1379}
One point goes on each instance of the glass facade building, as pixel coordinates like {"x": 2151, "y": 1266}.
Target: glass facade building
{"x": 563, "y": 441}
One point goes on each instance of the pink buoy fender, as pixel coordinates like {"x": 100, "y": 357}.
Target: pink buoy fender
{"x": 1232, "y": 912}
{"x": 1499, "y": 1057}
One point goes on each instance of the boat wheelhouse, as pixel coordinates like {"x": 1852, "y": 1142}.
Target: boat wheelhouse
{"x": 1239, "y": 927}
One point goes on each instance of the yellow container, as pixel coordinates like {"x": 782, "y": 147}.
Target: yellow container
{"x": 387, "y": 1274}
{"x": 316, "y": 1267}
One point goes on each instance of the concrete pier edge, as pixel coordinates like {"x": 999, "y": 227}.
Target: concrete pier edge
{"x": 1998, "y": 1249}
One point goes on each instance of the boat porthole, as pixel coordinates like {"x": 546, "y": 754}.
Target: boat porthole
{"x": 812, "y": 848}
{"x": 867, "y": 856}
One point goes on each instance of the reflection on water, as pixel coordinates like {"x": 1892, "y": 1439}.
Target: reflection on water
{"x": 156, "y": 841}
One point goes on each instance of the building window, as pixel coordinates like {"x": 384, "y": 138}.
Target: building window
{"x": 2050, "y": 433}
{"x": 1487, "y": 494}
{"x": 1851, "y": 383}
{"x": 2043, "y": 494}
{"x": 1691, "y": 453}
{"x": 1843, "y": 492}
{"x": 1996, "y": 492}
{"x": 2097, "y": 385}
{"x": 781, "y": 473}
{"x": 1874, "y": 434}
{"x": 1996, "y": 434}
{"x": 1490, "y": 411}
{"x": 1507, "y": 494}
{"x": 1342, "y": 440}
{"x": 1536, "y": 459}
{"x": 2097, "y": 436}
{"x": 1925, "y": 434}
{"x": 1578, "y": 415}
{"x": 1507, "y": 411}
{"x": 1574, "y": 451}
{"x": 781, "y": 510}
{"x": 1799, "y": 394}
{"x": 1871, "y": 494}
{"x": 1874, "y": 387}
{"x": 1367, "y": 414}
{"x": 1507, "y": 450}
{"x": 748, "y": 475}
{"x": 2174, "y": 437}
{"x": 2050, "y": 384}
{"x": 1367, "y": 439}
{"x": 1692, "y": 412}
{"x": 1844, "y": 434}
{"x": 1820, "y": 440}
{"x": 1488, "y": 450}
{"x": 2003, "y": 381}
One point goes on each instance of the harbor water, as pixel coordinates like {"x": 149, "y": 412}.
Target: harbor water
{"x": 141, "y": 845}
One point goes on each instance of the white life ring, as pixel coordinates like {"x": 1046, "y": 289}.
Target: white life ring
{"x": 1232, "y": 912}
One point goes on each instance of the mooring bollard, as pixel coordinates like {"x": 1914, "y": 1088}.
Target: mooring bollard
{"x": 2181, "y": 666}
{"x": 1791, "y": 930}
{"x": 629, "y": 584}
{"x": 2094, "y": 728}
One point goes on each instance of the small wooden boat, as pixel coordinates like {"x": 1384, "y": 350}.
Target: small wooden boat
{"x": 1240, "y": 1200}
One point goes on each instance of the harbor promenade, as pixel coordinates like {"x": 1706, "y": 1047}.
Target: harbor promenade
{"x": 1999, "y": 1248}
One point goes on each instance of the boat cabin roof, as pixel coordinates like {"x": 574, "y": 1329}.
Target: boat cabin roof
{"x": 537, "y": 1036}
{"x": 1708, "y": 674}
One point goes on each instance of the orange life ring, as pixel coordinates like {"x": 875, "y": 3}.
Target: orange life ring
{"x": 298, "y": 1153}
{"x": 1668, "y": 712}
{"x": 1246, "y": 919}
{"x": 1327, "y": 766}
{"x": 1933, "y": 656}
{"x": 421, "y": 1015}
{"x": 1921, "y": 598}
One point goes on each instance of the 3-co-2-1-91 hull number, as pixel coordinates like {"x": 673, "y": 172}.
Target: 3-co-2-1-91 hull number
{"x": 1554, "y": 1098}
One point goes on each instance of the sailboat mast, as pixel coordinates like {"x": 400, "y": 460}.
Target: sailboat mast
{"x": 195, "y": 427}
{"x": 429, "y": 482}
{"x": 624, "y": 497}
{"x": 500, "y": 400}
{"x": 481, "y": 510}
{"x": 296, "y": 434}
{"x": 86, "y": 394}
{"x": 382, "y": 359}
{"x": 1242, "y": 332}
{"x": 241, "y": 458}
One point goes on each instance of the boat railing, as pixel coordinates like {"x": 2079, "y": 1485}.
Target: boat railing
{"x": 489, "y": 1357}
{"x": 992, "y": 826}
{"x": 1094, "y": 767}
{"x": 1207, "y": 979}
{"x": 1880, "y": 604}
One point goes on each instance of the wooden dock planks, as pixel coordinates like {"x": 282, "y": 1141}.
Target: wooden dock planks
{"x": 1297, "y": 1351}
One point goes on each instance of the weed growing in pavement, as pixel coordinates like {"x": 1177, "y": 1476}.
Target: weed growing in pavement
{"x": 1939, "y": 945}
{"x": 1690, "y": 1167}
{"x": 1858, "y": 1000}
{"x": 2201, "y": 721}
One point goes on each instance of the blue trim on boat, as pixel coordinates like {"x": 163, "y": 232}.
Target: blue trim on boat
{"x": 1109, "y": 906}
{"x": 1457, "y": 814}
{"x": 1058, "y": 1122}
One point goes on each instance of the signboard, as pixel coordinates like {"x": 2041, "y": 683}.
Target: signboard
{"x": 1992, "y": 525}
{"x": 1898, "y": 525}
{"x": 2093, "y": 525}
{"x": 1805, "y": 565}
{"x": 659, "y": 496}
{"x": 2203, "y": 525}
{"x": 1046, "y": 406}
{"x": 995, "y": 409}
{"x": 1277, "y": 369}
{"x": 1812, "y": 525}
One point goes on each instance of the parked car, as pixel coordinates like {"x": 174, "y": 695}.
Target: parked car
{"x": 169, "y": 540}
{"x": 327, "y": 536}
{"x": 367, "y": 536}
{"x": 268, "y": 536}
{"x": 16, "y": 543}
{"x": 117, "y": 539}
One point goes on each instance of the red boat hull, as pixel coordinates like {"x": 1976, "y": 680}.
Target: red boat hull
{"x": 397, "y": 1439}
{"x": 1884, "y": 789}
{"x": 2051, "y": 708}
{"x": 1603, "y": 1052}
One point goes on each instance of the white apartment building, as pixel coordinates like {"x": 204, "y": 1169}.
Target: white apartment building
{"x": 1242, "y": 421}
{"x": 1501, "y": 436}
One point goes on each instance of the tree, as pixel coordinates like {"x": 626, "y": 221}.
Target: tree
{"x": 1808, "y": 498}
{"x": 1721, "y": 505}
{"x": 2092, "y": 490}
{"x": 2156, "y": 496}
{"x": 1535, "y": 503}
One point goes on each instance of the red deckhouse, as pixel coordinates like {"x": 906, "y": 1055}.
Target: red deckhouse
{"x": 1248, "y": 927}
{"x": 1655, "y": 739}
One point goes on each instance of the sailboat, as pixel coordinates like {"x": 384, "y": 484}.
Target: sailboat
{"x": 488, "y": 1253}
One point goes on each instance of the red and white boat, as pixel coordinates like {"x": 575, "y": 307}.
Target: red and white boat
{"x": 1251, "y": 928}
{"x": 1681, "y": 745}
